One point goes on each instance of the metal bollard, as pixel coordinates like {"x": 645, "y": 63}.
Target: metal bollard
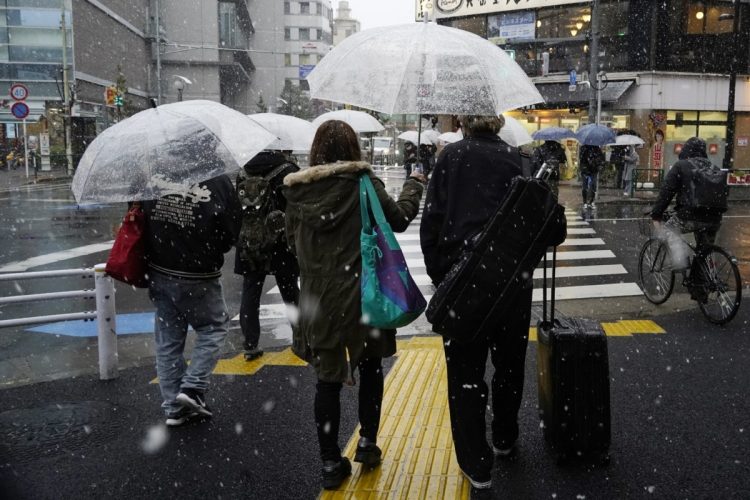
{"x": 106, "y": 323}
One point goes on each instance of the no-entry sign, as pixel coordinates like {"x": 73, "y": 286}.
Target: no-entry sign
{"x": 19, "y": 91}
{"x": 20, "y": 110}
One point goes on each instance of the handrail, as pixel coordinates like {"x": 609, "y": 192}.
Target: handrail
{"x": 105, "y": 314}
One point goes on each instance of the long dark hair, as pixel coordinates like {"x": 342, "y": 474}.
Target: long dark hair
{"x": 334, "y": 141}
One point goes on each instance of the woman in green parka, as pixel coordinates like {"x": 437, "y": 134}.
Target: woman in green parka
{"x": 323, "y": 227}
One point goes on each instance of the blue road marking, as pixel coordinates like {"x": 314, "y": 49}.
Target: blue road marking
{"x": 127, "y": 324}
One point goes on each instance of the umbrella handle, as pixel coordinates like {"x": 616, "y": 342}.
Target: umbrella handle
{"x": 542, "y": 171}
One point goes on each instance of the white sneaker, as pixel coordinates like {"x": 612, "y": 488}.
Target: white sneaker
{"x": 626, "y": 194}
{"x": 592, "y": 205}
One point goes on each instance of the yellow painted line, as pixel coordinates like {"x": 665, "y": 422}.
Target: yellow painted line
{"x": 415, "y": 434}
{"x": 238, "y": 366}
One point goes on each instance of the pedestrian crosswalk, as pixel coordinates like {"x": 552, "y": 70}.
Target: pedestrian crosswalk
{"x": 586, "y": 268}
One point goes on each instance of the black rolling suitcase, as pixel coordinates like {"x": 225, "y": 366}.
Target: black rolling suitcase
{"x": 493, "y": 267}
{"x": 573, "y": 375}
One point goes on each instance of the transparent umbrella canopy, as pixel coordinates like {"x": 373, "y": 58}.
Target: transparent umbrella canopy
{"x": 360, "y": 121}
{"x": 166, "y": 150}
{"x": 294, "y": 134}
{"x": 413, "y": 137}
{"x": 514, "y": 133}
{"x": 422, "y": 68}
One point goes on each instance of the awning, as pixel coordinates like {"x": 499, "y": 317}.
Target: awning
{"x": 559, "y": 94}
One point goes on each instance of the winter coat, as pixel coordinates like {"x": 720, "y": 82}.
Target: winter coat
{"x": 410, "y": 153}
{"x": 470, "y": 181}
{"x": 323, "y": 227}
{"x": 551, "y": 152}
{"x": 630, "y": 161}
{"x": 280, "y": 257}
{"x": 679, "y": 181}
{"x": 188, "y": 235}
{"x": 591, "y": 160}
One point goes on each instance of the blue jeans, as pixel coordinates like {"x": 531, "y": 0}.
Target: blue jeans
{"x": 179, "y": 303}
{"x": 588, "y": 187}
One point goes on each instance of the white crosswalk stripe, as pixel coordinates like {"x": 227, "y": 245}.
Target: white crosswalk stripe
{"x": 582, "y": 272}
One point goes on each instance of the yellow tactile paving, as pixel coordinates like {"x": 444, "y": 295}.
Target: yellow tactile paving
{"x": 626, "y": 328}
{"x": 415, "y": 435}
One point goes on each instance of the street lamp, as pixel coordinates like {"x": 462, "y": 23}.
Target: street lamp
{"x": 179, "y": 85}
{"x": 731, "y": 114}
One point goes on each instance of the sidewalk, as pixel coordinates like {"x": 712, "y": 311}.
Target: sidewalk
{"x": 14, "y": 179}
{"x": 83, "y": 438}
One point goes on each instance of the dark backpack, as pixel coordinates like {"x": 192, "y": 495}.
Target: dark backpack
{"x": 708, "y": 188}
{"x": 262, "y": 220}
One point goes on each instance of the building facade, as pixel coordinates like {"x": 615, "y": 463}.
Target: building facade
{"x": 665, "y": 64}
{"x": 343, "y": 24}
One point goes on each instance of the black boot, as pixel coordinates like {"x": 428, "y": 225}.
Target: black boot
{"x": 334, "y": 473}
{"x": 368, "y": 453}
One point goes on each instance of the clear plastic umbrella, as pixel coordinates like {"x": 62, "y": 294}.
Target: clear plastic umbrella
{"x": 166, "y": 150}
{"x": 359, "y": 120}
{"x": 422, "y": 68}
{"x": 432, "y": 135}
{"x": 627, "y": 140}
{"x": 514, "y": 133}
{"x": 294, "y": 134}
{"x": 451, "y": 137}
{"x": 413, "y": 137}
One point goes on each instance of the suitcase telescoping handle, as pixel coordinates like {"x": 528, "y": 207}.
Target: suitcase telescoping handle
{"x": 542, "y": 171}
{"x": 544, "y": 289}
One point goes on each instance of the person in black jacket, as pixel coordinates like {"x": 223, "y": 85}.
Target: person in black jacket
{"x": 470, "y": 181}
{"x": 703, "y": 221}
{"x": 591, "y": 162}
{"x": 410, "y": 157}
{"x": 278, "y": 260}
{"x": 553, "y": 154}
{"x": 187, "y": 235}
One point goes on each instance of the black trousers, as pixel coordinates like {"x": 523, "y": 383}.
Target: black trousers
{"x": 328, "y": 408}
{"x": 252, "y": 289}
{"x": 468, "y": 392}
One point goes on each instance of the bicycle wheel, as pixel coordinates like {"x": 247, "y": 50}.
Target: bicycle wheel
{"x": 655, "y": 271}
{"x": 719, "y": 281}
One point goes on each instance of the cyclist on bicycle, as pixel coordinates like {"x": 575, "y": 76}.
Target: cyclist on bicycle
{"x": 701, "y": 191}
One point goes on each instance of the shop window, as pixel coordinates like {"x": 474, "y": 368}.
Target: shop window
{"x": 306, "y": 58}
{"x": 703, "y": 18}
{"x": 474, "y": 24}
{"x": 566, "y": 22}
{"x": 614, "y": 18}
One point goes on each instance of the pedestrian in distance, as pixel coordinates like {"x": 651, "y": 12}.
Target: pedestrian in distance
{"x": 617, "y": 158}
{"x": 591, "y": 161}
{"x": 701, "y": 191}
{"x": 262, "y": 248}
{"x": 470, "y": 182}
{"x": 553, "y": 154}
{"x": 187, "y": 235}
{"x": 410, "y": 157}
{"x": 323, "y": 227}
{"x": 630, "y": 162}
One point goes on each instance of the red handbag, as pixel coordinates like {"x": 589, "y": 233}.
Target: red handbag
{"x": 127, "y": 260}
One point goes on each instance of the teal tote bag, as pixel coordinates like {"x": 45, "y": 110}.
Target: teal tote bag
{"x": 390, "y": 298}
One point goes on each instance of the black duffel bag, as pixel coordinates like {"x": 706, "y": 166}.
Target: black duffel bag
{"x": 498, "y": 262}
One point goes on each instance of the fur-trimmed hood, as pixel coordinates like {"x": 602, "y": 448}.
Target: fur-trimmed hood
{"x": 312, "y": 174}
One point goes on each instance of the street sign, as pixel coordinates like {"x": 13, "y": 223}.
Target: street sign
{"x": 20, "y": 110}
{"x": 19, "y": 91}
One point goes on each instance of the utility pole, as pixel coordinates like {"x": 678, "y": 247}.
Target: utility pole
{"x": 158, "y": 52}
{"x": 67, "y": 108}
{"x": 594, "y": 68}
{"x": 731, "y": 113}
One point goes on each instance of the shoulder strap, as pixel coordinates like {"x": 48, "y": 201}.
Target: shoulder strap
{"x": 276, "y": 171}
{"x": 368, "y": 197}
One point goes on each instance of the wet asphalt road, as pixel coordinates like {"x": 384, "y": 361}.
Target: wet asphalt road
{"x": 681, "y": 420}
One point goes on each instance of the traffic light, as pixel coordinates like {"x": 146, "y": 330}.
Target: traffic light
{"x": 110, "y": 94}
{"x": 118, "y": 100}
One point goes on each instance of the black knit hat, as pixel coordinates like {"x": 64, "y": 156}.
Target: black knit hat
{"x": 695, "y": 147}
